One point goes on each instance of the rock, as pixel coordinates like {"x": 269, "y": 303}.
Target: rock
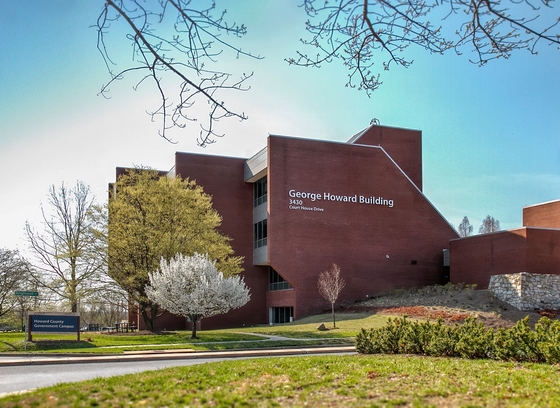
{"x": 322, "y": 327}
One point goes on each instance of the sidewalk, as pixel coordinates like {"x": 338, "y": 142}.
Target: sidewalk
{"x": 44, "y": 359}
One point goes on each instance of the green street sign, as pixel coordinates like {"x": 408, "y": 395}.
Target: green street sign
{"x": 26, "y": 293}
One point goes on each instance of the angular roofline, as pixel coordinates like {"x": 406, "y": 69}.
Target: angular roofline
{"x": 353, "y": 139}
{"x": 411, "y": 182}
{"x": 539, "y": 204}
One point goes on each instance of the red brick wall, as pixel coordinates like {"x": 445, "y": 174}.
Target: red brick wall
{"x": 543, "y": 251}
{"x": 403, "y": 145}
{"x": 545, "y": 215}
{"x": 223, "y": 178}
{"x": 475, "y": 259}
{"x": 357, "y": 237}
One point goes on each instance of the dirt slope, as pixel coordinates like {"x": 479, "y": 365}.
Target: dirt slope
{"x": 450, "y": 302}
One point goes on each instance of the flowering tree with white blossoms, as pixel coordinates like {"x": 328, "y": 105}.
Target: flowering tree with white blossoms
{"x": 191, "y": 286}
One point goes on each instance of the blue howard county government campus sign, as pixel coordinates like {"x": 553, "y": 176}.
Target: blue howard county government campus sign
{"x": 57, "y": 324}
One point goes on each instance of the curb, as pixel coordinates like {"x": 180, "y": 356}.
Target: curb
{"x": 169, "y": 355}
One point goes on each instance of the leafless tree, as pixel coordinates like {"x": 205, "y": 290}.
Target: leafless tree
{"x": 362, "y": 32}
{"x": 13, "y": 276}
{"x": 465, "y": 228}
{"x": 178, "y": 58}
{"x": 66, "y": 260}
{"x": 489, "y": 224}
{"x": 177, "y": 44}
{"x": 330, "y": 284}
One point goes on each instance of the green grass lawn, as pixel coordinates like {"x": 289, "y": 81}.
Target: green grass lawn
{"x": 336, "y": 381}
{"x": 339, "y": 381}
{"x": 348, "y": 326}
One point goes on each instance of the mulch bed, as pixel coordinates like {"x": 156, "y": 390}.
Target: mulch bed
{"x": 414, "y": 311}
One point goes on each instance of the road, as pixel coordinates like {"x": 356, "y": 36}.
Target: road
{"x": 26, "y": 377}
{"x": 37, "y": 371}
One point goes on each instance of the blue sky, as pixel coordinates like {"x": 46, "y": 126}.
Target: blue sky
{"x": 490, "y": 134}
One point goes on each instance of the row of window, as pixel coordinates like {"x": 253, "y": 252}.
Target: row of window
{"x": 275, "y": 281}
{"x": 260, "y": 192}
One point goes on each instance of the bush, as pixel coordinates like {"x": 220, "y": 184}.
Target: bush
{"x": 473, "y": 339}
{"x": 468, "y": 340}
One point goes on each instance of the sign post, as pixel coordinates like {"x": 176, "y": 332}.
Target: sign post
{"x": 26, "y": 293}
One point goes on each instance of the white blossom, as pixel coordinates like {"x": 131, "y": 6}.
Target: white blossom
{"x": 192, "y": 286}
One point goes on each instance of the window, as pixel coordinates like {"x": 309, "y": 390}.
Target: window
{"x": 276, "y": 282}
{"x": 281, "y": 314}
{"x": 260, "y": 234}
{"x": 260, "y": 192}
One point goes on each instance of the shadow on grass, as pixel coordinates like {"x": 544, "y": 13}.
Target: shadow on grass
{"x": 10, "y": 345}
{"x": 46, "y": 345}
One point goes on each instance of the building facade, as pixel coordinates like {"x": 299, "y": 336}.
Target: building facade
{"x": 300, "y": 205}
{"x": 533, "y": 248}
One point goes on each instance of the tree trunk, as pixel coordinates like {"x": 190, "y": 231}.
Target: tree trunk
{"x": 194, "y": 320}
{"x": 333, "y": 318}
{"x": 149, "y": 314}
{"x": 148, "y": 322}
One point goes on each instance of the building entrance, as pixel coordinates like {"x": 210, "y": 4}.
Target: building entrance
{"x": 281, "y": 314}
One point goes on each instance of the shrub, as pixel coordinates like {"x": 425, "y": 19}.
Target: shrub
{"x": 519, "y": 343}
{"x": 468, "y": 340}
{"x": 473, "y": 339}
{"x": 442, "y": 340}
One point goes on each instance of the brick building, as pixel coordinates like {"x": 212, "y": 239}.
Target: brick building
{"x": 299, "y": 205}
{"x": 533, "y": 248}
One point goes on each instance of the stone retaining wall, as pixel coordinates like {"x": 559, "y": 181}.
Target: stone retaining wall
{"x": 527, "y": 291}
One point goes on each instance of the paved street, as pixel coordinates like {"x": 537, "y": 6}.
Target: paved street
{"x": 26, "y": 372}
{"x": 24, "y": 377}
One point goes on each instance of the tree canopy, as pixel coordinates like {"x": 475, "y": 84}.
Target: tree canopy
{"x": 66, "y": 249}
{"x": 489, "y": 224}
{"x": 191, "y": 286}
{"x": 178, "y": 44}
{"x": 153, "y": 217}
{"x": 465, "y": 228}
{"x": 14, "y": 275}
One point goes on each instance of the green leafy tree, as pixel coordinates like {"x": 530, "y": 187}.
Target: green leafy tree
{"x": 153, "y": 217}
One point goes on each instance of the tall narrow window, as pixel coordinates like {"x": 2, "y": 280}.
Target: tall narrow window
{"x": 260, "y": 191}
{"x": 276, "y": 282}
{"x": 260, "y": 234}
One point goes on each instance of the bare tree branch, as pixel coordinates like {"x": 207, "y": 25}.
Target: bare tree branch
{"x": 67, "y": 262}
{"x": 361, "y": 32}
{"x": 330, "y": 284}
{"x": 185, "y": 56}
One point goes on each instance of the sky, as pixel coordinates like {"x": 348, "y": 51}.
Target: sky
{"x": 490, "y": 134}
